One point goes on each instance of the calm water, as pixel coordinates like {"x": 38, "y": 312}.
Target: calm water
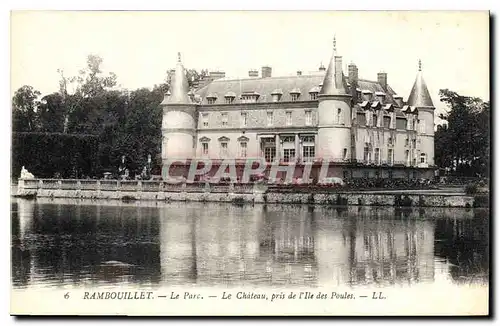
{"x": 83, "y": 243}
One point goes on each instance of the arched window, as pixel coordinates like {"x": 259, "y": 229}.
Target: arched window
{"x": 423, "y": 158}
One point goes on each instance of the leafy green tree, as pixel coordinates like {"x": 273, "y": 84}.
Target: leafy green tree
{"x": 89, "y": 84}
{"x": 462, "y": 145}
{"x": 50, "y": 113}
{"x": 125, "y": 123}
{"x": 24, "y": 105}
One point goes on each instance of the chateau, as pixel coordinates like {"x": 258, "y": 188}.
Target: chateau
{"x": 363, "y": 128}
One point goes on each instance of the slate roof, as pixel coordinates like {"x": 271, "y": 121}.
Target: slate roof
{"x": 419, "y": 96}
{"x": 265, "y": 87}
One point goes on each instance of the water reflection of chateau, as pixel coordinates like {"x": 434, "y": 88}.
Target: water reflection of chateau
{"x": 367, "y": 250}
{"x": 220, "y": 244}
{"x": 236, "y": 246}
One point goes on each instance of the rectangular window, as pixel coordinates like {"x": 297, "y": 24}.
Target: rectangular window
{"x": 243, "y": 149}
{"x": 204, "y": 119}
{"x": 367, "y": 114}
{"x": 340, "y": 118}
{"x": 387, "y": 122}
{"x": 390, "y": 174}
{"x": 294, "y": 96}
{"x": 344, "y": 154}
{"x": 414, "y": 143}
{"x": 308, "y": 153}
{"x": 270, "y": 119}
{"x": 224, "y": 119}
{"x": 314, "y": 96}
{"x": 288, "y": 118}
{"x": 248, "y": 99}
{"x": 375, "y": 120}
{"x": 400, "y": 123}
{"x": 308, "y": 118}
{"x": 422, "y": 126}
{"x": 366, "y": 174}
{"x": 243, "y": 119}
{"x": 377, "y": 156}
{"x": 211, "y": 100}
{"x": 223, "y": 149}
{"x": 204, "y": 148}
{"x": 229, "y": 100}
{"x": 361, "y": 119}
{"x": 390, "y": 156}
{"x": 288, "y": 139}
{"x": 407, "y": 157}
{"x": 269, "y": 154}
{"x": 366, "y": 155}
{"x": 288, "y": 155}
{"x": 407, "y": 141}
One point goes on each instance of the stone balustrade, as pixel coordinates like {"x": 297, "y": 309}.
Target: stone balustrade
{"x": 132, "y": 186}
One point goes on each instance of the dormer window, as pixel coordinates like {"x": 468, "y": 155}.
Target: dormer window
{"x": 294, "y": 94}
{"x": 229, "y": 97}
{"x": 211, "y": 98}
{"x": 276, "y": 95}
{"x": 249, "y": 97}
{"x": 313, "y": 93}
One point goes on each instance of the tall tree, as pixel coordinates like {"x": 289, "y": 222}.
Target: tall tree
{"x": 463, "y": 144}
{"x": 89, "y": 84}
{"x": 24, "y": 105}
{"x": 51, "y": 113}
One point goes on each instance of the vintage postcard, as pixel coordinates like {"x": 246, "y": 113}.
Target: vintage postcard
{"x": 250, "y": 163}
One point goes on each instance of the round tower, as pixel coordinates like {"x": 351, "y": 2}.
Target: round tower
{"x": 334, "y": 113}
{"x": 421, "y": 100}
{"x": 178, "y": 123}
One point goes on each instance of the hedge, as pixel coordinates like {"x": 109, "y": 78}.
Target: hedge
{"x": 48, "y": 155}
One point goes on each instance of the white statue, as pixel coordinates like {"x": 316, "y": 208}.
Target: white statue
{"x": 25, "y": 174}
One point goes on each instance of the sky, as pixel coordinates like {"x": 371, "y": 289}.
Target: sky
{"x": 141, "y": 46}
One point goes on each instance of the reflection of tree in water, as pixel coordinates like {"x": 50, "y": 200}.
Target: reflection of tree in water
{"x": 464, "y": 243}
{"x": 72, "y": 244}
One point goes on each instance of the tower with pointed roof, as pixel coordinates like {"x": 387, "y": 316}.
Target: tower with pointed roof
{"x": 178, "y": 123}
{"x": 421, "y": 100}
{"x": 334, "y": 112}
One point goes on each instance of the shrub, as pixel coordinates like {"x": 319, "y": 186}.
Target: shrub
{"x": 471, "y": 188}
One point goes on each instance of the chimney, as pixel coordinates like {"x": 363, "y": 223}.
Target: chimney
{"x": 339, "y": 76}
{"x": 382, "y": 80}
{"x": 399, "y": 100}
{"x": 217, "y": 74}
{"x": 299, "y": 73}
{"x": 353, "y": 81}
{"x": 253, "y": 73}
{"x": 266, "y": 72}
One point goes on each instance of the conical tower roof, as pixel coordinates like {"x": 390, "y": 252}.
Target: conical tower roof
{"x": 179, "y": 87}
{"x": 419, "y": 96}
{"x": 334, "y": 83}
